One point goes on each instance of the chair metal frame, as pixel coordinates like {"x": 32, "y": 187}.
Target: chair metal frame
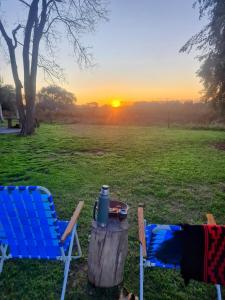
{"x": 65, "y": 257}
{"x": 144, "y": 263}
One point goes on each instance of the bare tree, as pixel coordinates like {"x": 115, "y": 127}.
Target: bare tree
{"x": 43, "y": 19}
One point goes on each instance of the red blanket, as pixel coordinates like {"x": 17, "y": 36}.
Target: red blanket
{"x": 203, "y": 256}
{"x": 214, "y": 254}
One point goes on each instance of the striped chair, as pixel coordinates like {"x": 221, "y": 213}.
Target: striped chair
{"x": 30, "y": 229}
{"x": 151, "y": 237}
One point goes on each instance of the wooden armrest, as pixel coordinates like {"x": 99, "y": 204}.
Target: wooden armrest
{"x": 210, "y": 219}
{"x": 73, "y": 221}
{"x": 141, "y": 230}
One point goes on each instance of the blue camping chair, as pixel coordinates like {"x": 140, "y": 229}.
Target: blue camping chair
{"x": 151, "y": 237}
{"x": 30, "y": 229}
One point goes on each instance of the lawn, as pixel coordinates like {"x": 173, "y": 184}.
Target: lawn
{"x": 177, "y": 173}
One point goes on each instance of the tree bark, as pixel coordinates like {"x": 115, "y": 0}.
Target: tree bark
{"x": 107, "y": 253}
{"x": 29, "y": 127}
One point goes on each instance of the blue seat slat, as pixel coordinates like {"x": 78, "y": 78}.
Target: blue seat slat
{"x": 39, "y": 204}
{"x": 49, "y": 243}
{"x": 42, "y": 250}
{"x": 27, "y": 231}
{"x": 23, "y": 250}
{"x": 32, "y": 243}
{"x": 29, "y": 204}
{"x": 8, "y": 203}
{"x": 25, "y": 222}
{"x": 19, "y": 205}
{"x": 2, "y": 232}
{"x": 37, "y": 230}
{"x": 14, "y": 250}
{"x": 47, "y": 235}
{"x": 54, "y": 250}
{"x": 32, "y": 249}
{"x": 16, "y": 225}
{"x": 8, "y": 228}
{"x": 51, "y": 222}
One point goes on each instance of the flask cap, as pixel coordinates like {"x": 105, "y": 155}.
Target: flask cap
{"x": 105, "y": 190}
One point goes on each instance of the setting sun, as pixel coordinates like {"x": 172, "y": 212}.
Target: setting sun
{"x": 116, "y": 103}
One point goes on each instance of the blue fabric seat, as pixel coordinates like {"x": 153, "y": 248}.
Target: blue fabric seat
{"x": 155, "y": 235}
{"x": 30, "y": 229}
{"x": 62, "y": 228}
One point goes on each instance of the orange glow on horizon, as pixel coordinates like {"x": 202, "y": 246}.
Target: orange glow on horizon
{"x": 134, "y": 93}
{"x": 116, "y": 95}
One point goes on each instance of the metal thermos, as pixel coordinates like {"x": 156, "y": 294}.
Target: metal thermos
{"x": 103, "y": 206}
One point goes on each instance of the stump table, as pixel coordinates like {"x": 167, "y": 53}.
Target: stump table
{"x": 107, "y": 253}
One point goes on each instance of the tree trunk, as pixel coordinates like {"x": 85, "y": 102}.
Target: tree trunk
{"x": 30, "y": 68}
{"x": 20, "y": 106}
{"x": 29, "y": 127}
{"x": 30, "y": 93}
{"x": 107, "y": 253}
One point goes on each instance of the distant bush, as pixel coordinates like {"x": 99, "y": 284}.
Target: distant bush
{"x": 212, "y": 126}
{"x": 147, "y": 113}
{"x": 8, "y": 98}
{"x": 55, "y": 104}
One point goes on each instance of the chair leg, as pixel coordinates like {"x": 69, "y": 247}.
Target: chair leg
{"x": 218, "y": 290}
{"x": 67, "y": 264}
{"x": 3, "y": 256}
{"x": 66, "y": 272}
{"x": 78, "y": 247}
{"x": 141, "y": 275}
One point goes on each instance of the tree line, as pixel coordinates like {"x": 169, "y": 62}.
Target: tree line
{"x": 166, "y": 113}
{"x": 51, "y": 98}
{"x": 56, "y": 104}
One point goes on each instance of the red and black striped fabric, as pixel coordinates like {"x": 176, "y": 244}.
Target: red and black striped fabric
{"x": 214, "y": 255}
{"x": 203, "y": 256}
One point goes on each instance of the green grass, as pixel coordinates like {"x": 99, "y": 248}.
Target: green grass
{"x": 177, "y": 173}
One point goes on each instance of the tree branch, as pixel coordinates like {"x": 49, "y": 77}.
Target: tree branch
{"x": 14, "y": 32}
{"x": 49, "y": 67}
{"x": 50, "y": 24}
{"x": 4, "y": 34}
{"x": 12, "y": 55}
{"x": 51, "y": 1}
{"x": 38, "y": 32}
{"x": 24, "y": 2}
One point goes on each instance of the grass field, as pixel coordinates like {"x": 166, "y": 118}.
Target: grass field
{"x": 178, "y": 174}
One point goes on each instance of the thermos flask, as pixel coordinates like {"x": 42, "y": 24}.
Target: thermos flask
{"x": 103, "y": 207}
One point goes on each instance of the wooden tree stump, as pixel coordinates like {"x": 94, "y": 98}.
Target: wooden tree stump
{"x": 107, "y": 253}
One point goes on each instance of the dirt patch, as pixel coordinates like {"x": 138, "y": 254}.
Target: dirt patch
{"x": 220, "y": 146}
{"x": 14, "y": 179}
{"x": 95, "y": 152}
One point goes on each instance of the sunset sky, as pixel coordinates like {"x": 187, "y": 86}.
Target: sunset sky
{"x": 136, "y": 51}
